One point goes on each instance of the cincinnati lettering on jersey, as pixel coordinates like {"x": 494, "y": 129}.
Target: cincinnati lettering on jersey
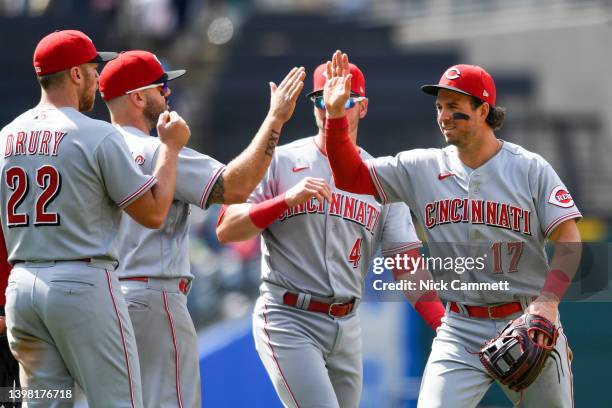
{"x": 347, "y": 207}
{"x": 492, "y": 213}
{"x": 34, "y": 142}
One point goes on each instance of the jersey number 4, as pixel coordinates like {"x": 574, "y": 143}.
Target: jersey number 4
{"x": 48, "y": 180}
{"x": 355, "y": 254}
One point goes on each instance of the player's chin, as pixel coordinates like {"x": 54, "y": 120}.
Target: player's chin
{"x": 449, "y": 137}
{"x": 87, "y": 105}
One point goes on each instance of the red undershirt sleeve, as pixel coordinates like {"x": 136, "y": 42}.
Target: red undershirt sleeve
{"x": 350, "y": 172}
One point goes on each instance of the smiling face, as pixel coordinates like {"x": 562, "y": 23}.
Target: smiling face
{"x": 457, "y": 118}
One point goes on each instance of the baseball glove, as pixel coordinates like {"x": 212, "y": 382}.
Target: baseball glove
{"x": 513, "y": 358}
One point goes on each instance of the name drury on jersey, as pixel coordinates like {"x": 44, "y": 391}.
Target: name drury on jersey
{"x": 345, "y": 206}
{"x": 35, "y": 142}
{"x": 491, "y": 213}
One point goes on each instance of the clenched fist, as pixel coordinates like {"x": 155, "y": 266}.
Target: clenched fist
{"x": 306, "y": 189}
{"x": 172, "y": 130}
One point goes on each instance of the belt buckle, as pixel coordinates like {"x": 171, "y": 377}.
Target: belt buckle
{"x": 331, "y": 306}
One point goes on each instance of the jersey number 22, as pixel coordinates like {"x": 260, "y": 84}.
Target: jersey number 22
{"x": 48, "y": 180}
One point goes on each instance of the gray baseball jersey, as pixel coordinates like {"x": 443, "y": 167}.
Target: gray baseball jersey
{"x": 502, "y": 211}
{"x": 164, "y": 252}
{"x": 165, "y": 335}
{"x": 65, "y": 179}
{"x": 321, "y": 251}
{"x": 352, "y": 226}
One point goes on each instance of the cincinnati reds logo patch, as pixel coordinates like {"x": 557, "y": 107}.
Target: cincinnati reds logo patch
{"x": 560, "y": 197}
{"x": 139, "y": 159}
{"x": 452, "y": 73}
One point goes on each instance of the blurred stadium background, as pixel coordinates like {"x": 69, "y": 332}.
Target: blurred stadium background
{"x": 551, "y": 63}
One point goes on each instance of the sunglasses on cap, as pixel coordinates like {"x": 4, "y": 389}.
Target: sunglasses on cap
{"x": 163, "y": 85}
{"x": 161, "y": 82}
{"x": 350, "y": 102}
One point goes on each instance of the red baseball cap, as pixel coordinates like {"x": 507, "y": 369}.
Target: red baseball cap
{"x": 61, "y": 50}
{"x": 132, "y": 70}
{"x": 320, "y": 76}
{"x": 467, "y": 79}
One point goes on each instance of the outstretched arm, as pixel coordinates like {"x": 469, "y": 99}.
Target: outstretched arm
{"x": 349, "y": 171}
{"x": 243, "y": 173}
{"x": 241, "y": 222}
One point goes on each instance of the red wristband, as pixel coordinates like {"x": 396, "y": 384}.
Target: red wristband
{"x": 557, "y": 283}
{"x": 264, "y": 214}
{"x": 431, "y": 309}
{"x": 411, "y": 254}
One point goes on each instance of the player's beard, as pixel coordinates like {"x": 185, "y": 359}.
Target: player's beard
{"x": 153, "y": 108}
{"x": 87, "y": 98}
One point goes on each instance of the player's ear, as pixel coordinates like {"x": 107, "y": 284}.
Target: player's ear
{"x": 484, "y": 110}
{"x": 137, "y": 99}
{"x": 363, "y": 108}
{"x": 75, "y": 74}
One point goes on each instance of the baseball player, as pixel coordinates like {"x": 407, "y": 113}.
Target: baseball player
{"x": 494, "y": 195}
{"x": 317, "y": 245}
{"x": 65, "y": 179}
{"x": 154, "y": 271}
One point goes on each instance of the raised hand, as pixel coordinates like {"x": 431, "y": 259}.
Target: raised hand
{"x": 173, "y": 130}
{"x": 283, "y": 97}
{"x": 307, "y": 188}
{"x": 337, "y": 88}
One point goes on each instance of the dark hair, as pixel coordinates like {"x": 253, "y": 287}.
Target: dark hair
{"x": 496, "y": 116}
{"x": 52, "y": 80}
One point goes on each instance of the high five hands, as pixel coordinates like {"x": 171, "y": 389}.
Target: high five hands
{"x": 337, "y": 88}
{"x": 283, "y": 97}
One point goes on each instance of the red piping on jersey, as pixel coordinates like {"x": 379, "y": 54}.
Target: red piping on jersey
{"x": 274, "y": 357}
{"x": 348, "y": 168}
{"x": 379, "y": 187}
{"x": 209, "y": 185}
{"x": 558, "y": 221}
{"x": 569, "y": 365}
{"x": 125, "y": 351}
{"x": 126, "y": 200}
{"x": 176, "y": 351}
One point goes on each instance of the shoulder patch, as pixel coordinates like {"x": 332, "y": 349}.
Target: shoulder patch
{"x": 560, "y": 197}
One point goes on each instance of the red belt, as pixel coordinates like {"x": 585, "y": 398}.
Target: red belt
{"x": 331, "y": 309}
{"x": 183, "y": 285}
{"x": 490, "y": 312}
